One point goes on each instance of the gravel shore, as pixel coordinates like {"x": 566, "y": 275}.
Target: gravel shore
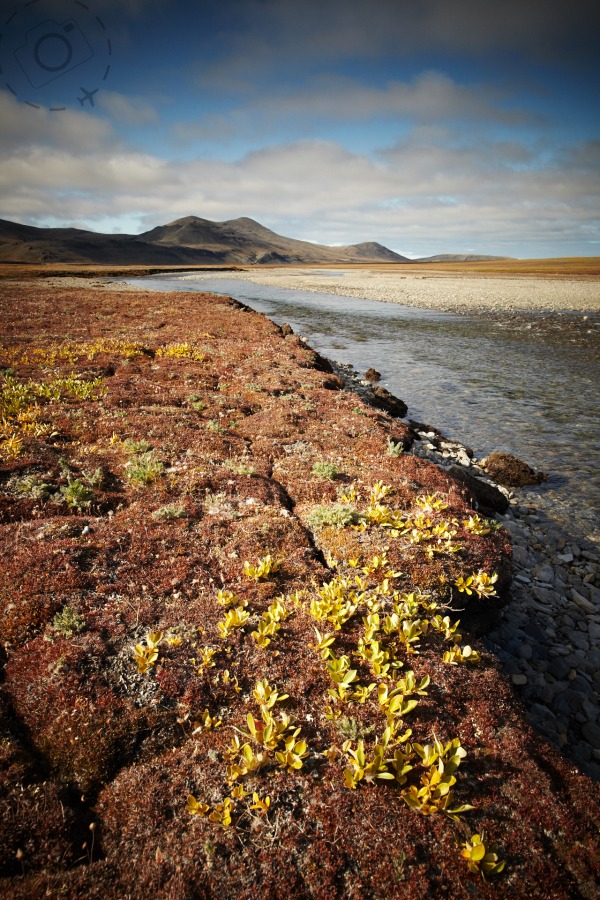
{"x": 548, "y": 635}
{"x": 454, "y": 293}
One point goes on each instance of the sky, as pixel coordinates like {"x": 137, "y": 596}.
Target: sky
{"x": 430, "y": 126}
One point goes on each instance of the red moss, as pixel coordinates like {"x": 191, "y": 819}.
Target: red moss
{"x": 238, "y": 434}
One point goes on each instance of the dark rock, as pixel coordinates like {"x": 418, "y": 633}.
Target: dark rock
{"x": 383, "y": 399}
{"x": 372, "y": 375}
{"x": 581, "y": 684}
{"x": 591, "y": 732}
{"x": 333, "y": 383}
{"x": 533, "y": 630}
{"x": 559, "y": 668}
{"x": 540, "y": 653}
{"x": 485, "y": 496}
{"x": 568, "y": 703}
{"x": 511, "y": 471}
{"x": 320, "y": 363}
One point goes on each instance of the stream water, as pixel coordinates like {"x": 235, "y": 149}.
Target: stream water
{"x": 525, "y": 384}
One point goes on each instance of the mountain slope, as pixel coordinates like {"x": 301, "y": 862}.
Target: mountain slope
{"x": 243, "y": 239}
{"x": 190, "y": 240}
{"x": 373, "y": 251}
{"x": 27, "y": 244}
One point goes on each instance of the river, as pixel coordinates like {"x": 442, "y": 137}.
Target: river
{"x": 525, "y": 384}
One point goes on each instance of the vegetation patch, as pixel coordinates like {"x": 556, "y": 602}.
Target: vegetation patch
{"x": 238, "y": 672}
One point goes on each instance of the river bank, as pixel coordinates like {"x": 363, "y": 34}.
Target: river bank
{"x": 548, "y": 640}
{"x": 548, "y": 635}
{"x": 187, "y": 437}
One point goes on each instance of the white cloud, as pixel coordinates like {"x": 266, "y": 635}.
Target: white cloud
{"x": 431, "y": 97}
{"x": 432, "y": 191}
{"x": 23, "y": 127}
{"x": 132, "y": 110}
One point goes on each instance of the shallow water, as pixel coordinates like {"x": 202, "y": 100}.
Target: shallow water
{"x": 525, "y": 384}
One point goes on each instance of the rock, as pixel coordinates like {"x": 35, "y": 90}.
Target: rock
{"x": 559, "y": 668}
{"x": 519, "y": 555}
{"x": 286, "y": 329}
{"x": 565, "y": 557}
{"x": 542, "y": 717}
{"x": 525, "y": 651}
{"x": 579, "y": 640}
{"x": 591, "y": 732}
{"x": 320, "y": 363}
{"x": 594, "y": 595}
{"x": 543, "y": 573}
{"x": 487, "y": 497}
{"x": 581, "y": 602}
{"x": 519, "y": 678}
{"x": 545, "y": 595}
{"x": 534, "y": 631}
{"x": 372, "y": 375}
{"x": 594, "y": 632}
{"x": 511, "y": 471}
{"x": 383, "y": 399}
{"x": 333, "y": 383}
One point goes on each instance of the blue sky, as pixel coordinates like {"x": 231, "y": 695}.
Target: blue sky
{"x": 431, "y": 127}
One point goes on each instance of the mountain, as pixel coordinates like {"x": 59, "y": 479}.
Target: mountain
{"x": 187, "y": 241}
{"x": 27, "y": 244}
{"x": 372, "y": 251}
{"x": 246, "y": 241}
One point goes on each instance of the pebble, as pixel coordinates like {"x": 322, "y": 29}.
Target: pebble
{"x": 581, "y": 601}
{"x": 543, "y": 573}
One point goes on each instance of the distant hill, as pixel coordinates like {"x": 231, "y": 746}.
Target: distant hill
{"x": 459, "y": 257}
{"x": 373, "y": 251}
{"x": 187, "y": 241}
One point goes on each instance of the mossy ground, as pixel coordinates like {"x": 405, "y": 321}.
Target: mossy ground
{"x": 236, "y": 422}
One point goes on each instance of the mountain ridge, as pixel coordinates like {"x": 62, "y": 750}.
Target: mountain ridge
{"x": 189, "y": 240}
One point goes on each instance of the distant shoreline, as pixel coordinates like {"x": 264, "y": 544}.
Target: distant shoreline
{"x": 463, "y": 293}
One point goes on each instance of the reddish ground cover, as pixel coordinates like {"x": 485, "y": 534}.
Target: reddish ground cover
{"x": 152, "y": 444}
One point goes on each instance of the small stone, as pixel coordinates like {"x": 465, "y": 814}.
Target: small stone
{"x": 559, "y": 667}
{"x": 525, "y": 651}
{"x": 580, "y": 641}
{"x": 519, "y": 555}
{"x": 591, "y": 732}
{"x": 594, "y": 632}
{"x": 581, "y": 602}
{"x": 545, "y": 596}
{"x": 519, "y": 678}
{"x": 543, "y": 573}
{"x": 542, "y": 716}
{"x": 594, "y": 595}
{"x": 565, "y": 557}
